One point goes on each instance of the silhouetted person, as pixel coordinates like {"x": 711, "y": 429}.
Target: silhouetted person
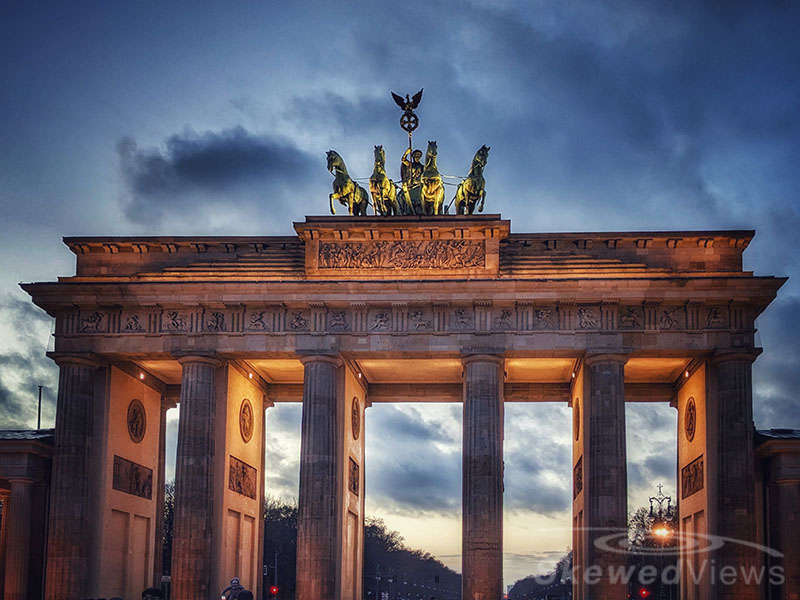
{"x": 233, "y": 590}
{"x": 152, "y": 593}
{"x": 246, "y": 595}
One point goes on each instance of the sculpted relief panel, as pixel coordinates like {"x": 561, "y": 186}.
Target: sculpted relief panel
{"x": 423, "y": 254}
{"x": 402, "y": 317}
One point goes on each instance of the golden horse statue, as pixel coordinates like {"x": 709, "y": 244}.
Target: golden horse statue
{"x": 432, "y": 185}
{"x": 383, "y": 189}
{"x": 471, "y": 190}
{"x": 345, "y": 190}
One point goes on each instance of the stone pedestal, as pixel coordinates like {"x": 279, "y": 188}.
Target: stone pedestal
{"x": 482, "y": 491}
{"x": 18, "y": 550}
{"x": 604, "y": 471}
{"x": 192, "y": 549}
{"x": 71, "y": 500}
{"x": 317, "y": 519}
{"x": 734, "y": 475}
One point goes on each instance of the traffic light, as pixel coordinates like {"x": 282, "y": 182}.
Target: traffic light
{"x": 644, "y": 593}
{"x": 273, "y": 590}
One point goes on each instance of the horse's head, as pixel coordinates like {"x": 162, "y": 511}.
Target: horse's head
{"x": 380, "y": 155}
{"x": 430, "y": 155}
{"x": 334, "y": 160}
{"x": 482, "y": 155}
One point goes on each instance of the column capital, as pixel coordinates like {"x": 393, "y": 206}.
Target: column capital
{"x": 21, "y": 480}
{"x": 197, "y": 358}
{"x": 786, "y": 481}
{"x": 81, "y": 360}
{"x": 597, "y": 357}
{"x": 326, "y": 358}
{"x": 471, "y": 358}
{"x": 722, "y": 356}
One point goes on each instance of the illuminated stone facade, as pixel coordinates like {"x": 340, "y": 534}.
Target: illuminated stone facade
{"x": 353, "y": 311}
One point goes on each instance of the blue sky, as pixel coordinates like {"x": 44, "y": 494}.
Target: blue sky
{"x": 146, "y": 118}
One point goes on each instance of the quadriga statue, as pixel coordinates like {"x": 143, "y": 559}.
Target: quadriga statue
{"x": 471, "y": 190}
{"x": 345, "y": 190}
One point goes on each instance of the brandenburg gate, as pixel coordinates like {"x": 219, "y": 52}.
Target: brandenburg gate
{"x": 357, "y": 310}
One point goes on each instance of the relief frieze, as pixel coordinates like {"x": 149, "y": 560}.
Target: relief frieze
{"x": 133, "y": 324}
{"x": 588, "y": 318}
{"x": 504, "y": 320}
{"x": 630, "y": 317}
{"x": 242, "y": 478}
{"x": 544, "y": 318}
{"x": 174, "y": 321}
{"x": 92, "y": 323}
{"x": 403, "y": 319}
{"x": 257, "y": 321}
{"x": 418, "y": 254}
{"x": 298, "y": 321}
{"x": 216, "y": 322}
{"x": 337, "y": 320}
{"x": 716, "y": 318}
{"x": 381, "y": 321}
{"x": 463, "y": 318}
{"x": 418, "y": 320}
{"x": 132, "y": 478}
{"x": 353, "y": 478}
{"x": 671, "y": 318}
{"x": 692, "y": 477}
{"x": 577, "y": 478}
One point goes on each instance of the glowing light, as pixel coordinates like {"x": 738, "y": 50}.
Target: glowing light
{"x": 662, "y": 531}
{"x": 359, "y": 375}
{"x": 141, "y": 375}
{"x": 686, "y": 374}
{"x": 250, "y": 375}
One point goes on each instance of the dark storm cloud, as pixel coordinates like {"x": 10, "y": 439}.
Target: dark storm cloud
{"x": 24, "y": 366}
{"x": 415, "y": 463}
{"x": 538, "y": 458}
{"x": 212, "y": 166}
{"x": 776, "y": 376}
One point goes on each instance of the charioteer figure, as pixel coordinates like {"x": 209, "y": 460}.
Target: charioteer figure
{"x": 411, "y": 169}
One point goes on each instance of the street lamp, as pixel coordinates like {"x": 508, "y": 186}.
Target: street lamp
{"x": 661, "y": 529}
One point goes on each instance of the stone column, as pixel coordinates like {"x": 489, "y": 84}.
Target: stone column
{"x": 3, "y": 536}
{"x": 192, "y": 566}
{"x": 71, "y": 517}
{"x": 482, "y": 484}
{"x": 605, "y": 470}
{"x": 784, "y": 524}
{"x": 317, "y": 516}
{"x": 735, "y": 474}
{"x": 19, "y": 540}
{"x": 158, "y": 558}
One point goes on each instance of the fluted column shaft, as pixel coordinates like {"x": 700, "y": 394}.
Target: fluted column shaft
{"x": 158, "y": 570}
{"x": 70, "y": 519}
{"x": 19, "y": 540}
{"x": 605, "y": 469}
{"x": 784, "y": 524}
{"x": 194, "y": 486}
{"x": 482, "y": 483}
{"x": 4, "y": 498}
{"x": 316, "y": 524}
{"x": 735, "y": 474}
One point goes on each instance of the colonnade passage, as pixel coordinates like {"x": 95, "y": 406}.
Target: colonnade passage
{"x": 218, "y": 529}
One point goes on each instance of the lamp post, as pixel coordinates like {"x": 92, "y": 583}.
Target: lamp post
{"x": 661, "y": 529}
